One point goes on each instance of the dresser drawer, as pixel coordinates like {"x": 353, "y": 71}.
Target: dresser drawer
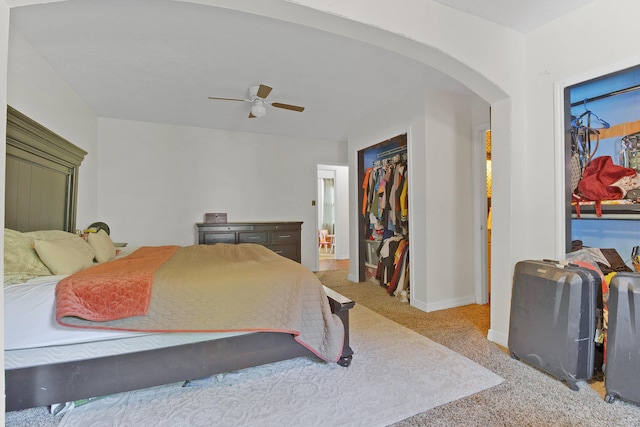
{"x": 283, "y": 237}
{"x": 211, "y": 238}
{"x": 287, "y": 251}
{"x": 258, "y": 237}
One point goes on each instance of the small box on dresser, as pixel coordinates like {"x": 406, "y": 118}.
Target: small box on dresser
{"x": 215, "y": 217}
{"x": 281, "y": 237}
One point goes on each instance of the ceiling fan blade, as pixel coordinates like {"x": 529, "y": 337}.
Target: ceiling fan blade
{"x": 287, "y": 106}
{"x": 263, "y": 91}
{"x": 228, "y": 99}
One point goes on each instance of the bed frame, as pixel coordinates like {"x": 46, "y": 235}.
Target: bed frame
{"x": 63, "y": 382}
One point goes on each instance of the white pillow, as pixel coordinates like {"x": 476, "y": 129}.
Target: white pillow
{"x": 61, "y": 257}
{"x": 102, "y": 245}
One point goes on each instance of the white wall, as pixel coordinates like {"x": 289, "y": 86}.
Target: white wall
{"x": 35, "y": 89}
{"x": 156, "y": 181}
{"x": 449, "y": 199}
{"x": 343, "y": 193}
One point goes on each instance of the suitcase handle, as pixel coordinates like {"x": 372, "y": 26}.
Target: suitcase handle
{"x": 560, "y": 263}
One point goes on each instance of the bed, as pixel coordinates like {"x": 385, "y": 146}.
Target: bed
{"x": 98, "y": 362}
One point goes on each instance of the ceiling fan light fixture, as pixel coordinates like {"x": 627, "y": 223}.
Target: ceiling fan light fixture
{"x": 258, "y": 109}
{"x": 257, "y": 95}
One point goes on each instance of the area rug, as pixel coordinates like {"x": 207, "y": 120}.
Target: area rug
{"x": 395, "y": 374}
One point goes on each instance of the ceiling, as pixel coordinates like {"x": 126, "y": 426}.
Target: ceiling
{"x": 160, "y": 60}
{"x": 521, "y": 15}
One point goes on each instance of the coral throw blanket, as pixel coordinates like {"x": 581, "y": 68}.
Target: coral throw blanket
{"x": 203, "y": 288}
{"x": 113, "y": 290}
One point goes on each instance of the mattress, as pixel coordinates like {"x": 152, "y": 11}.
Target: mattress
{"x": 37, "y": 356}
{"x": 33, "y": 337}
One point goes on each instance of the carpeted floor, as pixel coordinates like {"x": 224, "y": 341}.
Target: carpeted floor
{"x": 527, "y": 397}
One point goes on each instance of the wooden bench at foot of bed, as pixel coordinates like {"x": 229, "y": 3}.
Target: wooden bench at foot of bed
{"x": 64, "y": 382}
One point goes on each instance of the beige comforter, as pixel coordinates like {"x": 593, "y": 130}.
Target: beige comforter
{"x": 222, "y": 287}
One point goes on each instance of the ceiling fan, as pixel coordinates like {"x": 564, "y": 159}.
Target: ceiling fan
{"x": 257, "y": 96}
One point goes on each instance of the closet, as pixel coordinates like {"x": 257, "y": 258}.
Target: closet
{"x": 602, "y": 151}
{"x": 383, "y": 216}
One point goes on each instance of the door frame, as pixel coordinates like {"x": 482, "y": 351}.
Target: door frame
{"x": 480, "y": 238}
{"x": 341, "y": 209}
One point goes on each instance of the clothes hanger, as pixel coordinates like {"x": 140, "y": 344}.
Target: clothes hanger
{"x": 578, "y": 121}
{"x": 582, "y": 134}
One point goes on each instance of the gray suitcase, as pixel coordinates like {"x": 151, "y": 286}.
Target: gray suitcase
{"x": 554, "y": 318}
{"x": 622, "y": 370}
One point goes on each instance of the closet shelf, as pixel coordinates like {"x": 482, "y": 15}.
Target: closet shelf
{"x": 630, "y": 211}
{"x": 622, "y": 129}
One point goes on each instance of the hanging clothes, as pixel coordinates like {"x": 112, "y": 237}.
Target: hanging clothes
{"x": 404, "y": 201}
{"x": 384, "y": 187}
{"x": 386, "y": 199}
{"x": 385, "y": 216}
{"x": 387, "y": 256}
{"x": 400, "y": 265}
{"x": 365, "y": 188}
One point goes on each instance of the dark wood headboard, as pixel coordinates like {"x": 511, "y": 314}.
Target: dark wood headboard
{"x": 41, "y": 182}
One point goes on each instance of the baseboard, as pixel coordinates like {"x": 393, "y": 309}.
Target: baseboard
{"x": 498, "y": 338}
{"x": 443, "y": 305}
{"x": 420, "y": 305}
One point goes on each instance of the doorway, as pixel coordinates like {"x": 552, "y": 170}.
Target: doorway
{"x": 482, "y": 169}
{"x": 383, "y": 226}
{"x": 332, "y": 219}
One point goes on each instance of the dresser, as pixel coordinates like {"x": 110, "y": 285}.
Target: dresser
{"x": 281, "y": 237}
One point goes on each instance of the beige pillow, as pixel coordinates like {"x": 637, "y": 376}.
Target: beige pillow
{"x": 72, "y": 240}
{"x": 49, "y": 235}
{"x": 63, "y": 256}
{"x": 102, "y": 245}
{"x": 21, "y": 262}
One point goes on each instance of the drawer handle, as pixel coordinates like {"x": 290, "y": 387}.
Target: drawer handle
{"x": 278, "y": 252}
{"x": 254, "y": 237}
{"x": 285, "y": 236}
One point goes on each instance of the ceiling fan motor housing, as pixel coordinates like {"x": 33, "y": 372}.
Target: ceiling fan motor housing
{"x": 253, "y": 92}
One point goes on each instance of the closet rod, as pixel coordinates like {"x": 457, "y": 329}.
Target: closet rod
{"x": 391, "y": 151}
{"x": 606, "y": 95}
